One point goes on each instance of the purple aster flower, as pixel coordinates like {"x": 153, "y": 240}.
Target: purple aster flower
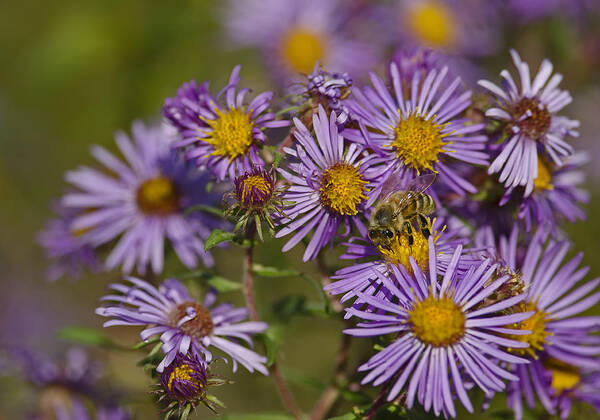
{"x": 295, "y": 34}
{"x": 419, "y": 130}
{"x": 331, "y": 184}
{"x": 556, "y": 194}
{"x": 457, "y": 26}
{"x": 562, "y": 384}
{"x": 224, "y": 139}
{"x": 572, "y": 385}
{"x": 70, "y": 253}
{"x": 443, "y": 338}
{"x": 555, "y": 295}
{"x": 183, "y": 323}
{"x": 70, "y": 390}
{"x": 363, "y": 277}
{"x": 532, "y": 126}
{"x": 143, "y": 201}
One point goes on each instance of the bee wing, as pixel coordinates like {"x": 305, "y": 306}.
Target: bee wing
{"x": 420, "y": 183}
{"x": 404, "y": 201}
{"x": 392, "y": 184}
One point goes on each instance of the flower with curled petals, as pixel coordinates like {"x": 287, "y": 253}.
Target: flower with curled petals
{"x": 184, "y": 324}
{"x": 532, "y": 127}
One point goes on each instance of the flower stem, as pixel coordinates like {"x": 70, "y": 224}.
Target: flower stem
{"x": 284, "y": 392}
{"x": 331, "y": 394}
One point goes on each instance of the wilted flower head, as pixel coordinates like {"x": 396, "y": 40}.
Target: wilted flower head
{"x": 329, "y": 89}
{"x": 532, "y": 128}
{"x": 441, "y": 338}
{"x": 184, "y": 324}
{"x": 142, "y": 201}
{"x": 224, "y": 139}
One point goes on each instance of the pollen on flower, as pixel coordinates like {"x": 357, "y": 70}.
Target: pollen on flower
{"x": 537, "y": 325}
{"x": 342, "y": 189}
{"x": 183, "y": 372}
{"x": 400, "y": 251}
{"x": 301, "y": 49}
{"x": 157, "y": 196}
{"x": 418, "y": 142}
{"x": 564, "y": 377}
{"x": 254, "y": 189}
{"x": 231, "y": 133}
{"x": 437, "y": 321}
{"x": 432, "y": 23}
{"x": 544, "y": 177}
{"x": 532, "y": 117}
{"x": 192, "y": 319}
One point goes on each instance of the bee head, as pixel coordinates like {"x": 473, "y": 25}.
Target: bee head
{"x": 377, "y": 235}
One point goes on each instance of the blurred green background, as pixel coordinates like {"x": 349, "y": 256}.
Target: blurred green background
{"x": 72, "y": 73}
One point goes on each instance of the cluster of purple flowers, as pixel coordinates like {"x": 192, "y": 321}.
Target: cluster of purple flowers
{"x": 473, "y": 295}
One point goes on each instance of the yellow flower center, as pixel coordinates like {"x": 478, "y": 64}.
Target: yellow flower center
{"x": 564, "y": 377}
{"x": 433, "y": 23}
{"x": 157, "y": 196}
{"x": 183, "y": 372}
{"x": 437, "y": 321}
{"x": 399, "y": 252}
{"x": 544, "y": 177}
{"x": 301, "y": 49}
{"x": 342, "y": 189}
{"x": 231, "y": 133}
{"x": 537, "y": 325}
{"x": 258, "y": 184}
{"x": 418, "y": 142}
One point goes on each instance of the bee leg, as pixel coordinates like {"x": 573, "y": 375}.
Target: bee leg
{"x": 409, "y": 232}
{"x": 424, "y": 228}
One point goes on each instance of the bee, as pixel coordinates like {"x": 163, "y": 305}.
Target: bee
{"x": 398, "y": 209}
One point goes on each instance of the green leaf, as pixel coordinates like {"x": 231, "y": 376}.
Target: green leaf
{"x": 204, "y": 208}
{"x": 216, "y": 237}
{"x": 87, "y": 336}
{"x": 186, "y": 412}
{"x": 272, "y": 339}
{"x": 349, "y": 416}
{"x": 224, "y": 285}
{"x": 359, "y": 398}
{"x": 298, "y": 377}
{"x": 143, "y": 344}
{"x": 265, "y": 271}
